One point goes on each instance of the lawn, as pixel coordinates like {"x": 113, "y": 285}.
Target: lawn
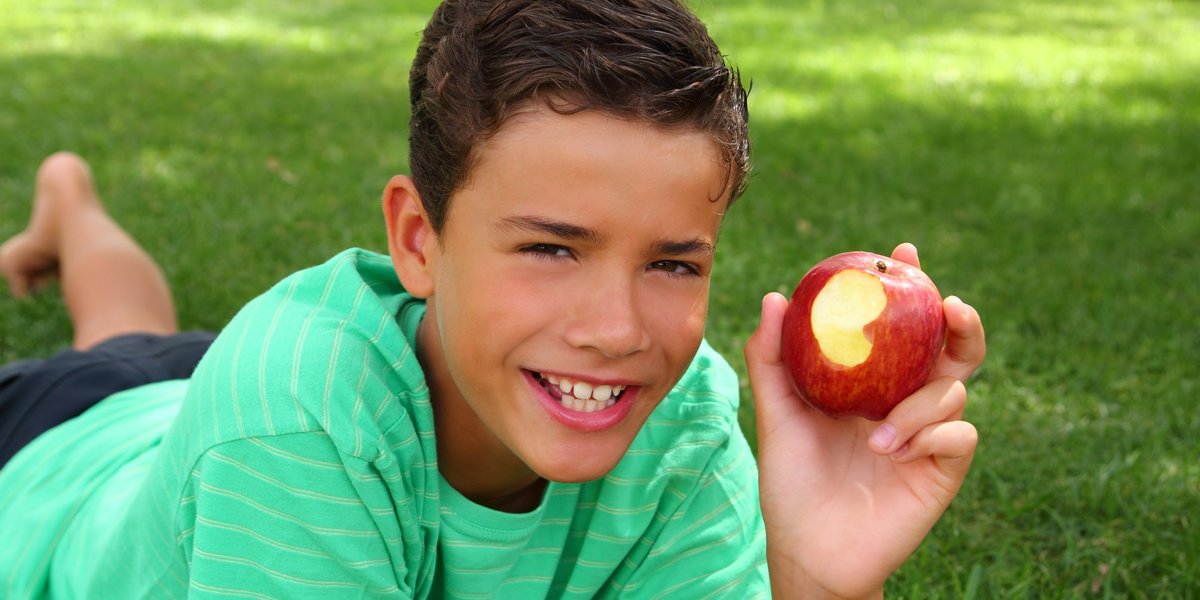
{"x": 1044, "y": 156}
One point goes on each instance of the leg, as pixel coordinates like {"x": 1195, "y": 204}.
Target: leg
{"x": 109, "y": 283}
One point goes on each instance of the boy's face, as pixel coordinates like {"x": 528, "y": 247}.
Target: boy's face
{"x": 576, "y": 256}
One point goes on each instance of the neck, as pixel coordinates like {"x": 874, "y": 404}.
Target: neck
{"x": 521, "y": 500}
{"x": 494, "y": 483}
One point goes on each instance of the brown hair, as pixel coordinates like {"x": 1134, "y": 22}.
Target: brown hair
{"x": 479, "y": 61}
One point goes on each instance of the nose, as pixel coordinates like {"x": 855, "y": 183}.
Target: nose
{"x": 608, "y": 319}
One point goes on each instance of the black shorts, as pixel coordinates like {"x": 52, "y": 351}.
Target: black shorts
{"x": 37, "y": 395}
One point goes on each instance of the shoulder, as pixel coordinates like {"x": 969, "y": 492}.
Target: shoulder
{"x": 327, "y": 349}
{"x": 709, "y": 385}
{"x": 693, "y": 434}
{"x": 689, "y": 486}
{"x": 701, "y": 409}
{"x": 354, "y": 288}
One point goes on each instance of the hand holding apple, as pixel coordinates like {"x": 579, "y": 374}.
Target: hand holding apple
{"x": 862, "y": 333}
{"x": 846, "y": 501}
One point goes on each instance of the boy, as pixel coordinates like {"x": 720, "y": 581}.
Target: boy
{"x": 518, "y": 401}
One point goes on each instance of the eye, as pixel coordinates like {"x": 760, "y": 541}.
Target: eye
{"x": 546, "y": 251}
{"x": 675, "y": 268}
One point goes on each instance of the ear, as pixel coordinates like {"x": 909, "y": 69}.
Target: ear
{"x": 411, "y": 240}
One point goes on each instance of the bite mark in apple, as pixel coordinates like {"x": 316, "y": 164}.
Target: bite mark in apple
{"x": 842, "y": 309}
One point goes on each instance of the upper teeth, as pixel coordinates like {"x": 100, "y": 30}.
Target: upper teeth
{"x": 592, "y": 397}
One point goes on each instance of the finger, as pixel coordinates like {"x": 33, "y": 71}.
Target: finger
{"x": 952, "y": 447}
{"x": 907, "y": 252}
{"x": 769, "y": 377}
{"x": 765, "y": 345}
{"x": 966, "y": 345}
{"x": 942, "y": 399}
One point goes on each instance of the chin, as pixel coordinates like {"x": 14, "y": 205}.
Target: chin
{"x": 569, "y": 468}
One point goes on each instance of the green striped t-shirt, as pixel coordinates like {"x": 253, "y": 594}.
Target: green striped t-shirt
{"x": 300, "y": 462}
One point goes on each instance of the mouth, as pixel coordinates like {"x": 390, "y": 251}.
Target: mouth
{"x": 586, "y": 406}
{"x": 580, "y": 396}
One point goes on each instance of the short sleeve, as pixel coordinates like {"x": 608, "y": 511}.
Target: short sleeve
{"x": 283, "y": 517}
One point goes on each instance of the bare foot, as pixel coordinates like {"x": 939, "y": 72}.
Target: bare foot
{"x": 30, "y": 258}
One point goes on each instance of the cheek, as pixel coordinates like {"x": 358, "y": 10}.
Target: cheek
{"x": 479, "y": 300}
{"x": 677, "y": 320}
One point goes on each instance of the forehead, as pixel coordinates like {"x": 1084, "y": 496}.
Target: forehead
{"x": 544, "y": 160}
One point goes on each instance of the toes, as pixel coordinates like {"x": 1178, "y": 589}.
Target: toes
{"x": 25, "y": 267}
{"x": 17, "y": 286}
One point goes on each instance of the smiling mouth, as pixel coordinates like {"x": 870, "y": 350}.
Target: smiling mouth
{"x": 580, "y": 396}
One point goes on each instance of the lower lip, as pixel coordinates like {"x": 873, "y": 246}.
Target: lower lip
{"x": 580, "y": 421}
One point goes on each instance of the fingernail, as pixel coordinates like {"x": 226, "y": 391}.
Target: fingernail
{"x": 883, "y": 436}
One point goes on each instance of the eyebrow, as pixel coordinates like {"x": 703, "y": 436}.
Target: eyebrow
{"x": 569, "y": 231}
{"x": 683, "y": 247}
{"x": 558, "y": 229}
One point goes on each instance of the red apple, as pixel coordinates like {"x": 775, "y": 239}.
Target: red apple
{"x": 862, "y": 333}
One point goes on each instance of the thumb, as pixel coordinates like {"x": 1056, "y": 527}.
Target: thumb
{"x": 764, "y": 346}
{"x": 769, "y": 378}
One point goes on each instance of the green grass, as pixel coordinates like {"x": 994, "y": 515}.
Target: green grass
{"x": 1044, "y": 156}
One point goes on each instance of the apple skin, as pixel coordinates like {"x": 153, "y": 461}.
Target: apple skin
{"x": 905, "y": 340}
